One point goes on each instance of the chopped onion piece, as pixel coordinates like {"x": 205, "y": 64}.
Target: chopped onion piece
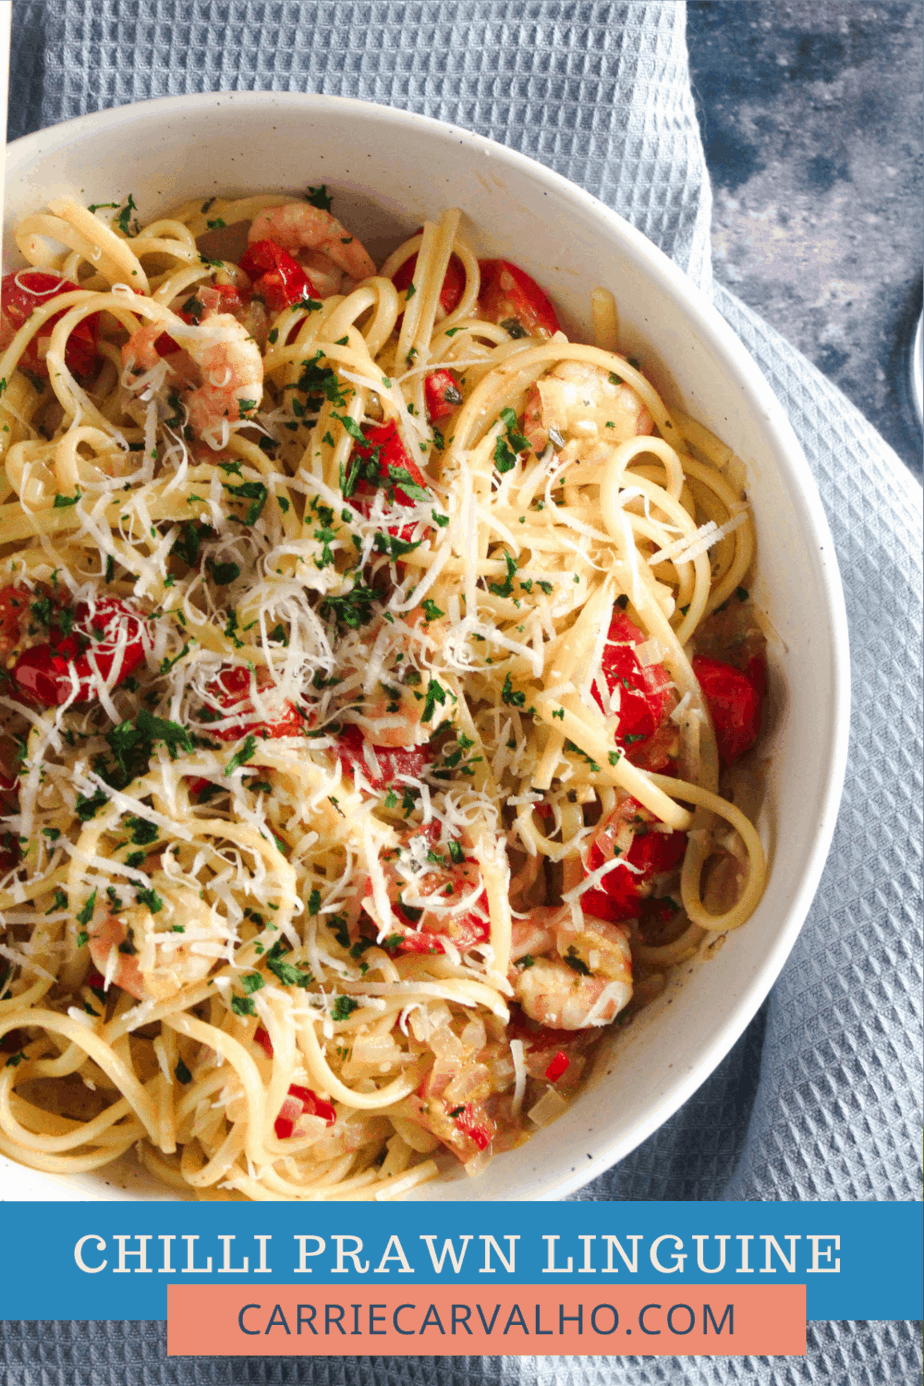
{"x": 550, "y": 1105}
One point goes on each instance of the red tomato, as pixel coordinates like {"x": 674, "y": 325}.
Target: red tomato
{"x": 264, "y": 1041}
{"x": 453, "y": 281}
{"x": 231, "y": 688}
{"x": 20, "y": 294}
{"x": 390, "y": 458}
{"x": 619, "y": 894}
{"x": 393, "y": 761}
{"x": 46, "y": 673}
{"x": 385, "y": 446}
{"x": 442, "y": 395}
{"x": 278, "y": 279}
{"x": 735, "y": 701}
{"x": 508, "y": 295}
{"x": 644, "y": 694}
{"x": 301, "y": 1101}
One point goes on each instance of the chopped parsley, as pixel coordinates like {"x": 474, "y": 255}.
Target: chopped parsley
{"x": 576, "y": 964}
{"x": 510, "y": 443}
{"x": 86, "y": 914}
{"x": 505, "y": 588}
{"x": 149, "y": 897}
{"x": 242, "y": 756}
{"x": 343, "y": 1007}
{"x": 122, "y": 219}
{"x": 319, "y": 197}
{"x": 510, "y": 696}
{"x": 255, "y": 492}
{"x": 141, "y": 832}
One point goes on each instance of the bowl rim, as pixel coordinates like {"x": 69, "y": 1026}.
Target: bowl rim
{"x": 740, "y": 365}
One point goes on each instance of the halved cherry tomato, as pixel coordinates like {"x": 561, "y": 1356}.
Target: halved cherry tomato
{"x": 46, "y": 674}
{"x": 735, "y": 701}
{"x": 512, "y": 299}
{"x": 393, "y": 464}
{"x": 442, "y": 395}
{"x": 278, "y": 279}
{"x": 231, "y": 688}
{"x": 385, "y": 446}
{"x": 644, "y": 695}
{"x": 394, "y": 762}
{"x": 652, "y": 853}
{"x": 20, "y": 294}
{"x": 453, "y": 280}
{"x": 301, "y": 1101}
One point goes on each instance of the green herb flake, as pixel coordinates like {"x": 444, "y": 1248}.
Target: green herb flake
{"x": 245, "y": 754}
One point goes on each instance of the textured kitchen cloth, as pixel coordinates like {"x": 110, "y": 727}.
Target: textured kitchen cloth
{"x": 819, "y": 1098}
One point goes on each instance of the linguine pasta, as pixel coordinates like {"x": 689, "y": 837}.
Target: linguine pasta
{"x": 372, "y": 654}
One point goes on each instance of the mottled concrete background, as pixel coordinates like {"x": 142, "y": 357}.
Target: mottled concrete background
{"x": 812, "y": 119}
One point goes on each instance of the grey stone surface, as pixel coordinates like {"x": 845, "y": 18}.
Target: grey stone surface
{"x": 811, "y": 112}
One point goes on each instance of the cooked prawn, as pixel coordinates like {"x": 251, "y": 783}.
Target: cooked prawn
{"x": 227, "y": 361}
{"x": 153, "y": 956}
{"x": 322, "y": 240}
{"x": 567, "y": 977}
{"x": 583, "y": 404}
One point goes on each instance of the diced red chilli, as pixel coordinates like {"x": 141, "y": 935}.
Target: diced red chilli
{"x": 557, "y": 1067}
{"x": 469, "y": 1126}
{"x": 301, "y": 1101}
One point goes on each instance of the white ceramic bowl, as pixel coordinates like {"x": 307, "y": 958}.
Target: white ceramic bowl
{"x": 389, "y": 170}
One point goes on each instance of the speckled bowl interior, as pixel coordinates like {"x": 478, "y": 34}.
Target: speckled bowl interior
{"x": 389, "y": 170}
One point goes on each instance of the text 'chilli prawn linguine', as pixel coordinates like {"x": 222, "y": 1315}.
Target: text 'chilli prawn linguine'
{"x": 371, "y": 655}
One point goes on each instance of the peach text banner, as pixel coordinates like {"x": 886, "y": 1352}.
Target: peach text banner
{"x": 463, "y": 1320}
